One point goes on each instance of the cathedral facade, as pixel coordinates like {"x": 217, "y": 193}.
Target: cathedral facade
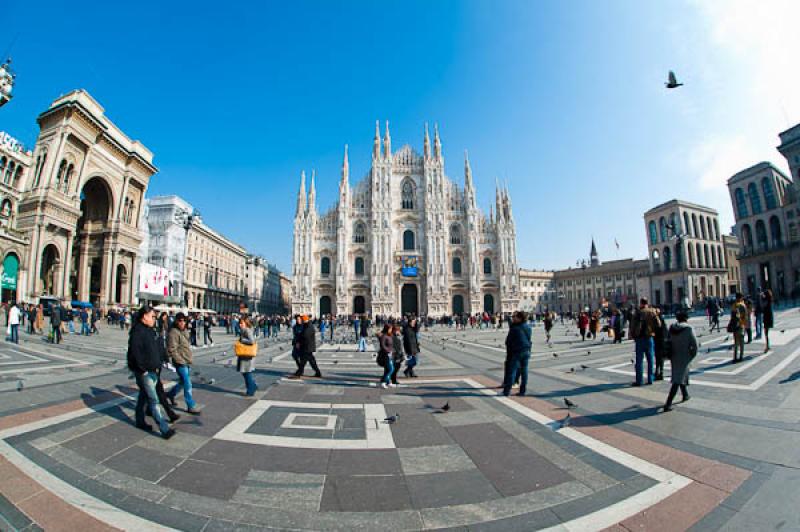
{"x": 405, "y": 239}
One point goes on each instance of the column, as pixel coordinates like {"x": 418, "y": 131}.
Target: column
{"x": 84, "y": 271}
{"x": 112, "y": 285}
{"x": 107, "y": 265}
{"x": 67, "y": 267}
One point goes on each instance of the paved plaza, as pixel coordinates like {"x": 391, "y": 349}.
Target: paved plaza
{"x": 318, "y": 454}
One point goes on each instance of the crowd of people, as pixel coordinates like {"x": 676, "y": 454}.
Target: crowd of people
{"x": 63, "y": 319}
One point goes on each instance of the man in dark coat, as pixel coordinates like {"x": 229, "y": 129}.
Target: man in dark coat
{"x": 410, "y": 346}
{"x": 518, "y": 352}
{"x": 307, "y": 346}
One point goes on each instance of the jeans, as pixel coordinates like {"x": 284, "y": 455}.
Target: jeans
{"x": 207, "y": 336}
{"x": 71, "y": 328}
{"x": 85, "y": 329}
{"x": 148, "y": 396}
{"x": 388, "y": 370}
{"x": 362, "y": 344}
{"x": 738, "y": 345}
{"x": 184, "y": 381}
{"x": 645, "y": 347}
{"x": 759, "y": 325}
{"x": 518, "y": 366}
{"x": 15, "y": 333}
{"x": 250, "y": 383}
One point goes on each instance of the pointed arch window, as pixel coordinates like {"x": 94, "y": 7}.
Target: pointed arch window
{"x": 407, "y": 195}
{"x": 456, "y": 266}
{"x": 487, "y": 266}
{"x": 325, "y": 266}
{"x": 755, "y": 199}
{"x": 769, "y": 193}
{"x": 359, "y": 233}
{"x": 359, "y": 266}
{"x": 68, "y": 177}
{"x": 455, "y": 234}
{"x": 408, "y": 240}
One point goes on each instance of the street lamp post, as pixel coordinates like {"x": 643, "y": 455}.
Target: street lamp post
{"x": 186, "y": 220}
{"x": 678, "y": 237}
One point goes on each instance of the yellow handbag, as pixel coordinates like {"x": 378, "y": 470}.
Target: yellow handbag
{"x": 244, "y": 350}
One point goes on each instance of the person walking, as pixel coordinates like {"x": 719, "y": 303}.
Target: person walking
{"x": 748, "y": 305}
{"x": 307, "y": 347}
{"x": 659, "y": 341}
{"x": 180, "y": 351}
{"x": 31, "y": 319}
{"x": 14, "y": 318}
{"x": 55, "y": 322}
{"x": 643, "y": 325}
{"x": 397, "y": 353}
{"x": 322, "y": 329}
{"x": 548, "y": 325}
{"x": 331, "y": 327}
{"x": 758, "y": 313}
{"x": 769, "y": 317}
{"x": 518, "y": 351}
{"x": 385, "y": 358}
{"x": 356, "y": 326}
{"x": 713, "y": 314}
{"x": 144, "y": 359}
{"x": 737, "y": 326}
{"x": 411, "y": 347}
{"x": 246, "y": 350}
{"x": 207, "y": 323}
{"x": 363, "y": 333}
{"x": 297, "y": 333}
{"x": 617, "y": 326}
{"x": 683, "y": 349}
{"x": 583, "y": 323}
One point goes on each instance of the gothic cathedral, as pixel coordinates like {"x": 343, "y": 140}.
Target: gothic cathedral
{"x": 404, "y": 240}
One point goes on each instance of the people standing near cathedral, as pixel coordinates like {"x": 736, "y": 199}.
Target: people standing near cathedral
{"x": 737, "y": 326}
{"x": 518, "y": 352}
{"x": 548, "y": 325}
{"x": 207, "y": 323}
{"x": 144, "y": 359}
{"x": 31, "y": 319}
{"x": 643, "y": 325}
{"x": 411, "y": 347}
{"x": 14, "y": 318}
{"x": 769, "y": 317}
{"x": 616, "y": 325}
{"x": 748, "y": 305}
{"x": 245, "y": 362}
{"x": 363, "y": 333}
{"x": 307, "y": 347}
{"x": 385, "y": 358}
{"x": 40, "y": 318}
{"x": 55, "y": 322}
{"x": 180, "y": 352}
{"x": 397, "y": 352}
{"x": 356, "y": 327}
{"x": 683, "y": 349}
{"x": 322, "y": 329}
{"x": 583, "y": 324}
{"x": 331, "y": 327}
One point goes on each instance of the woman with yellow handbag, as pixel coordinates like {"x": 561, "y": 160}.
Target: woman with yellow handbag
{"x": 246, "y": 349}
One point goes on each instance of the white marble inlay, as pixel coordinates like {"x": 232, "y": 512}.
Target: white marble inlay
{"x": 291, "y": 421}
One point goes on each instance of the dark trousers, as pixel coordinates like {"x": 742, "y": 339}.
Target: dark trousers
{"x": 57, "y": 334}
{"x": 162, "y": 397}
{"x": 673, "y": 390}
{"x": 517, "y": 369}
{"x": 659, "y": 365}
{"x": 207, "y": 336}
{"x": 397, "y": 364}
{"x": 307, "y": 358}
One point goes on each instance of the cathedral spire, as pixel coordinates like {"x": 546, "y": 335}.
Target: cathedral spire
{"x": 427, "y": 144}
{"x": 498, "y": 202}
{"x": 312, "y": 193}
{"x": 301, "y": 196}
{"x": 376, "y": 142}
{"x": 387, "y": 143}
{"x": 437, "y": 143}
{"x": 467, "y": 171}
{"x": 345, "y": 168}
{"x": 491, "y": 214}
{"x": 594, "y": 259}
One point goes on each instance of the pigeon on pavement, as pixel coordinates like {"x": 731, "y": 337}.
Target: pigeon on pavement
{"x": 392, "y": 419}
{"x": 569, "y": 403}
{"x": 446, "y": 407}
{"x": 20, "y": 385}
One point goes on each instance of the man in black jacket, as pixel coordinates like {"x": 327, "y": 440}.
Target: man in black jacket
{"x": 144, "y": 360}
{"x": 55, "y": 321}
{"x": 307, "y": 345}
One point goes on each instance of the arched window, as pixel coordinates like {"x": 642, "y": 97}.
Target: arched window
{"x": 359, "y": 266}
{"x": 741, "y": 204}
{"x": 487, "y": 266}
{"x": 667, "y": 259}
{"x": 769, "y": 193}
{"x": 17, "y": 177}
{"x": 775, "y": 231}
{"x": 678, "y": 257}
{"x": 68, "y": 177}
{"x": 455, "y": 234}
{"x": 721, "y": 257}
{"x": 755, "y": 199}
{"x": 708, "y": 260}
{"x": 62, "y": 170}
{"x": 456, "y": 266}
{"x": 656, "y": 261}
{"x": 691, "y": 255}
{"x": 408, "y": 194}
{"x": 408, "y": 240}
{"x": 699, "y": 250}
{"x": 662, "y": 229}
{"x": 325, "y": 266}
{"x": 747, "y": 237}
{"x": 695, "y": 232}
{"x": 12, "y": 166}
{"x": 761, "y": 235}
{"x": 3, "y": 161}
{"x": 40, "y": 163}
{"x": 675, "y": 222}
{"x": 651, "y": 227}
{"x": 359, "y": 233}
{"x": 686, "y": 224}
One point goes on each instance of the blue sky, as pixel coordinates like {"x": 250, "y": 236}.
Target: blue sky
{"x": 564, "y": 100}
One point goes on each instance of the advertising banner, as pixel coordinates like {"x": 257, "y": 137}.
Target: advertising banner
{"x": 154, "y": 279}
{"x": 409, "y": 268}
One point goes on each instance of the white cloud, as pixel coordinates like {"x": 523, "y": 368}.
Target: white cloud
{"x": 716, "y": 160}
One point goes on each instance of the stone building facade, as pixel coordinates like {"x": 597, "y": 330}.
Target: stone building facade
{"x": 730, "y": 245}
{"x": 766, "y": 211}
{"x": 685, "y": 250}
{"x": 614, "y": 283}
{"x": 537, "y": 290}
{"x": 15, "y": 162}
{"x": 79, "y": 203}
{"x": 404, "y": 239}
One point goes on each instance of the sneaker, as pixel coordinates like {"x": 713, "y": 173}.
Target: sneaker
{"x": 174, "y": 417}
{"x": 145, "y": 427}
{"x": 169, "y": 434}
{"x": 635, "y": 384}
{"x": 667, "y": 408}
{"x": 194, "y": 411}
{"x": 392, "y": 385}
{"x": 686, "y": 397}
{"x": 384, "y": 385}
{"x": 318, "y": 375}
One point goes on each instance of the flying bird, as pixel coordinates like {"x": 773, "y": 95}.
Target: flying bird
{"x": 392, "y": 419}
{"x": 569, "y": 403}
{"x": 672, "y": 81}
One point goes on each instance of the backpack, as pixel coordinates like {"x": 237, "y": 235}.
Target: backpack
{"x": 382, "y": 359}
{"x": 733, "y": 324}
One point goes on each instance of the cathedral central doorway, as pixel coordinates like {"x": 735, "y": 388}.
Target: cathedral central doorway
{"x": 409, "y": 300}
{"x": 458, "y": 304}
{"x": 359, "y": 306}
{"x": 324, "y": 305}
